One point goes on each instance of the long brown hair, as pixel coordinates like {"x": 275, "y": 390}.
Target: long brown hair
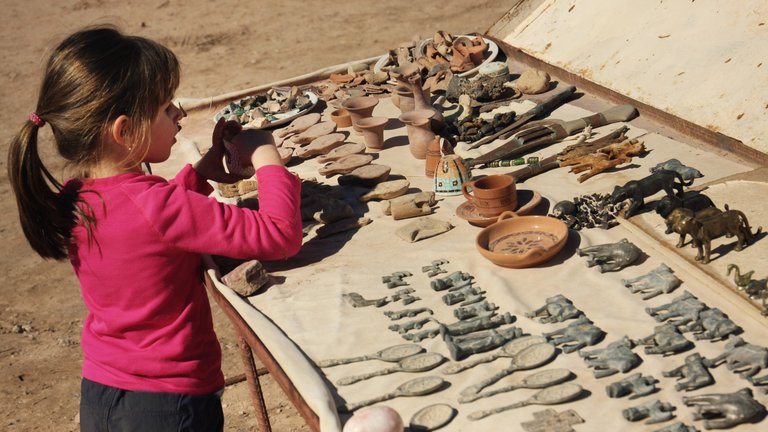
{"x": 92, "y": 77}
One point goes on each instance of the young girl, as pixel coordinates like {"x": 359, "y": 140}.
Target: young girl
{"x": 152, "y": 361}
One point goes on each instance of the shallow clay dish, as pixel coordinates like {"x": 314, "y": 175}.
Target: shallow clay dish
{"x": 522, "y": 241}
{"x": 527, "y": 200}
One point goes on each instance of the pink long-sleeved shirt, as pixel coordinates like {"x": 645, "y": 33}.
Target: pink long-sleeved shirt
{"x": 149, "y": 324}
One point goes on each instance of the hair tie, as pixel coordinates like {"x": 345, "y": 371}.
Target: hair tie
{"x": 34, "y": 118}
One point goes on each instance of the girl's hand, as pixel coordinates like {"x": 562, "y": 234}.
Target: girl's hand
{"x": 211, "y": 164}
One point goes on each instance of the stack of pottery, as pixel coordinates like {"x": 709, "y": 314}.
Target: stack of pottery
{"x": 419, "y": 131}
{"x": 491, "y": 195}
{"x": 359, "y": 107}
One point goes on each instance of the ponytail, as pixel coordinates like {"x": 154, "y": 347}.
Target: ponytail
{"x": 48, "y": 211}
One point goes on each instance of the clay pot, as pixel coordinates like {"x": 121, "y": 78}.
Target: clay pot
{"x": 419, "y": 131}
{"x": 402, "y": 98}
{"x": 421, "y": 99}
{"x": 360, "y": 107}
{"x": 450, "y": 174}
{"x": 373, "y": 131}
{"x": 432, "y": 157}
{"x": 492, "y": 195}
{"x": 341, "y": 117}
{"x": 522, "y": 241}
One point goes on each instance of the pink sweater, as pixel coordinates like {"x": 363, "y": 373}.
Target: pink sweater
{"x": 149, "y": 325}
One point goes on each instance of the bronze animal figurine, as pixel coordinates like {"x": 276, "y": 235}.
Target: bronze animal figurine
{"x": 684, "y": 308}
{"x": 556, "y": 309}
{"x": 616, "y": 357}
{"x": 694, "y": 201}
{"x": 657, "y": 281}
{"x": 712, "y": 324}
{"x": 688, "y": 173}
{"x": 636, "y": 190}
{"x": 732, "y": 222}
{"x": 581, "y": 332}
{"x": 725, "y": 410}
{"x": 744, "y": 358}
{"x": 676, "y": 222}
{"x": 665, "y": 340}
{"x": 611, "y": 256}
{"x": 637, "y": 385}
{"x": 755, "y": 289}
{"x": 692, "y": 374}
{"x": 655, "y": 411}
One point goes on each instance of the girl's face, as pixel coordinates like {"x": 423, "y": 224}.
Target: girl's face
{"x": 163, "y": 131}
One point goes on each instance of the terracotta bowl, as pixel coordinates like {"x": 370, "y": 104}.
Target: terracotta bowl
{"x": 522, "y": 241}
{"x": 341, "y": 117}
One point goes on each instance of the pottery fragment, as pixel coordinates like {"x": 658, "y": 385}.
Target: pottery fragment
{"x": 386, "y": 190}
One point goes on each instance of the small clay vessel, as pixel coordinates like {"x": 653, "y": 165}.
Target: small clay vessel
{"x": 419, "y": 131}
{"x": 359, "y": 107}
{"x": 373, "y": 131}
{"x": 422, "y": 101}
{"x": 435, "y": 150}
{"x": 402, "y": 97}
{"x": 341, "y": 117}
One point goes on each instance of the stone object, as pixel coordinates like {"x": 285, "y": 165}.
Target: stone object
{"x": 556, "y": 309}
{"x": 423, "y": 228}
{"x": 665, "y": 340}
{"x": 417, "y": 199}
{"x": 692, "y": 374}
{"x": 532, "y": 81}
{"x": 725, "y": 410}
{"x": 616, "y": 357}
{"x": 657, "y": 281}
{"x": 374, "y": 419}
{"x": 386, "y": 190}
{"x": 611, "y": 256}
{"x": 636, "y": 190}
{"x": 635, "y": 385}
{"x": 581, "y": 332}
{"x": 247, "y": 278}
{"x": 655, "y": 411}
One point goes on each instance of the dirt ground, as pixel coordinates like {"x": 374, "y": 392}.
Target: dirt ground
{"x": 223, "y": 46}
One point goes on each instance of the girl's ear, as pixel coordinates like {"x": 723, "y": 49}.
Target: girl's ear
{"x": 119, "y": 130}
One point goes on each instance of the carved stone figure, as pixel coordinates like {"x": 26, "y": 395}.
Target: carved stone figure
{"x": 611, "y": 256}
{"x": 636, "y": 190}
{"x": 744, "y": 358}
{"x": 454, "y": 280}
{"x": 636, "y": 384}
{"x": 686, "y": 172}
{"x": 582, "y": 332}
{"x": 677, "y": 222}
{"x": 725, "y": 410}
{"x": 655, "y": 411}
{"x": 692, "y": 374}
{"x": 694, "y": 201}
{"x": 657, "y": 281}
{"x": 731, "y": 222}
{"x": 712, "y": 324}
{"x": 616, "y": 357}
{"x": 474, "y": 310}
{"x": 555, "y": 309}
{"x": 665, "y": 340}
{"x": 687, "y": 306}
{"x": 462, "y": 347}
{"x": 678, "y": 427}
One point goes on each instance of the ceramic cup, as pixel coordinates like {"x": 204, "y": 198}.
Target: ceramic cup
{"x": 341, "y": 117}
{"x": 492, "y": 195}
{"x": 450, "y": 174}
{"x": 359, "y": 107}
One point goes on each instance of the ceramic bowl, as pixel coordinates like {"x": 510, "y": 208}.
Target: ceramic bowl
{"x": 522, "y": 241}
{"x": 341, "y": 117}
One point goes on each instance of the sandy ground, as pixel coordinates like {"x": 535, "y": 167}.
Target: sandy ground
{"x": 223, "y": 46}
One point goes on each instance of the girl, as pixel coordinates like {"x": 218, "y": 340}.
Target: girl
{"x": 151, "y": 358}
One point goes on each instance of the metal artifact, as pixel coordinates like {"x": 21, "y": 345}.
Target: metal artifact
{"x": 431, "y": 418}
{"x": 678, "y": 222}
{"x": 556, "y": 309}
{"x": 435, "y": 268}
{"x": 357, "y": 300}
{"x": 415, "y": 363}
{"x": 655, "y": 411}
{"x": 741, "y": 357}
{"x": 616, "y": 357}
{"x": 528, "y": 358}
{"x": 510, "y": 349}
{"x": 549, "y": 132}
{"x": 471, "y": 311}
{"x": 593, "y": 210}
{"x": 611, "y": 256}
{"x": 725, "y": 410}
{"x": 461, "y": 347}
{"x": 693, "y": 200}
{"x": 582, "y": 332}
{"x": 550, "y": 420}
{"x": 636, "y": 384}
{"x": 686, "y": 172}
{"x": 404, "y": 295}
{"x": 486, "y": 322}
{"x": 666, "y": 339}
{"x": 455, "y": 279}
{"x": 391, "y": 354}
{"x": 538, "y": 380}
{"x": 727, "y": 223}
{"x": 657, "y": 281}
{"x": 410, "y": 325}
{"x": 558, "y": 394}
{"x": 466, "y": 295}
{"x": 755, "y": 289}
{"x": 421, "y": 335}
{"x": 410, "y": 313}
{"x": 415, "y": 387}
{"x": 637, "y": 190}
{"x": 692, "y": 374}
{"x": 685, "y": 307}
{"x": 678, "y": 427}
{"x": 712, "y": 324}
{"x": 396, "y": 279}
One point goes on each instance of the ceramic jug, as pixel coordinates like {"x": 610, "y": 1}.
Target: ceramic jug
{"x": 422, "y": 101}
{"x": 450, "y": 174}
{"x": 419, "y": 131}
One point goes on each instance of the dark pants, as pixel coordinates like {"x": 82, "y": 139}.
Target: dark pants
{"x": 104, "y": 408}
